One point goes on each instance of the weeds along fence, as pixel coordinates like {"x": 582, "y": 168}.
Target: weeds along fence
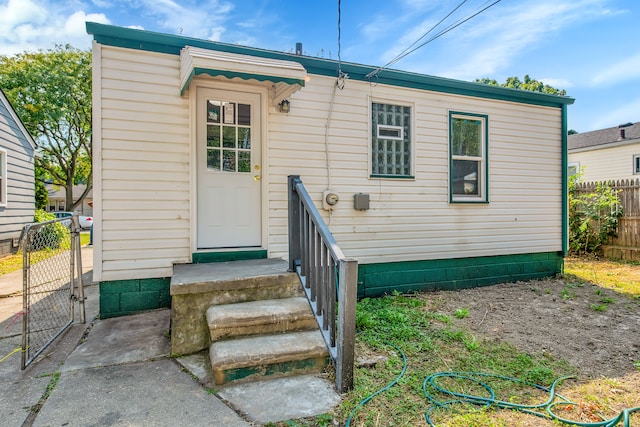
{"x": 626, "y": 243}
{"x": 52, "y": 283}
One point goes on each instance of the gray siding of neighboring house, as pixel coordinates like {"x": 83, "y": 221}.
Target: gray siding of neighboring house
{"x": 20, "y": 152}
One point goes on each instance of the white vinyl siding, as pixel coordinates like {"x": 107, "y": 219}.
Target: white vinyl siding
{"x": 144, "y": 184}
{"x": 413, "y": 220}
{"x": 17, "y": 151}
{"x": 3, "y": 177}
{"x": 605, "y": 164}
{"x": 144, "y": 174}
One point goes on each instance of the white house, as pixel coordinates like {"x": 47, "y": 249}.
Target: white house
{"x": 57, "y": 198}
{"x": 17, "y": 184}
{"x": 606, "y": 154}
{"x": 194, "y": 140}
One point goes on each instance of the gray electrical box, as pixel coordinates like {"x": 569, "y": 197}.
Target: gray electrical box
{"x": 361, "y": 201}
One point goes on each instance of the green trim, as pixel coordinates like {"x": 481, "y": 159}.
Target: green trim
{"x": 171, "y": 44}
{"x": 123, "y": 297}
{"x": 461, "y": 199}
{"x": 245, "y": 76}
{"x": 248, "y": 76}
{"x": 206, "y": 257}
{"x": 458, "y": 273}
{"x": 277, "y": 369}
{"x": 565, "y": 183}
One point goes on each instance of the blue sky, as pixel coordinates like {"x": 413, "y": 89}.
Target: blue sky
{"x": 588, "y": 47}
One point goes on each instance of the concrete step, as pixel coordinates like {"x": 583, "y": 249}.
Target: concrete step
{"x": 260, "y": 317}
{"x": 252, "y": 358}
{"x": 195, "y": 287}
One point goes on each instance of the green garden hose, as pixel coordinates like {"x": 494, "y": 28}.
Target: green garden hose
{"x": 383, "y": 389}
{"x": 544, "y": 410}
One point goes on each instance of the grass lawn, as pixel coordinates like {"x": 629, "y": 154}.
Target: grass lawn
{"x": 13, "y": 262}
{"x": 396, "y": 328}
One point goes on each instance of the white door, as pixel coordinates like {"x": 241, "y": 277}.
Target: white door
{"x": 229, "y": 169}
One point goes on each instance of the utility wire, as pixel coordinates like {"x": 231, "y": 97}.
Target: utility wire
{"x": 408, "y": 51}
{"x": 341, "y": 76}
{"x": 398, "y": 57}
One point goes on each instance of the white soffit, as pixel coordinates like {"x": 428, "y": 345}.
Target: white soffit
{"x": 284, "y": 77}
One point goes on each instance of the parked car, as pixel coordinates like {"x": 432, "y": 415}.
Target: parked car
{"x": 85, "y": 221}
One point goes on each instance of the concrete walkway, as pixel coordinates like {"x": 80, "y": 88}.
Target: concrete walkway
{"x": 117, "y": 372}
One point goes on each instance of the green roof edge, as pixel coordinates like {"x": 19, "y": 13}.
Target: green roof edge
{"x": 172, "y": 44}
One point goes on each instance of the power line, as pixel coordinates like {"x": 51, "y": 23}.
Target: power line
{"x": 408, "y": 50}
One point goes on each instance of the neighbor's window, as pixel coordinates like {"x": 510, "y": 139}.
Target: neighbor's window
{"x": 390, "y": 141}
{"x": 3, "y": 178}
{"x": 573, "y": 169}
{"x": 636, "y": 164}
{"x": 468, "y": 157}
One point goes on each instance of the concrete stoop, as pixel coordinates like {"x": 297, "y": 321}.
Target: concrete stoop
{"x": 258, "y": 325}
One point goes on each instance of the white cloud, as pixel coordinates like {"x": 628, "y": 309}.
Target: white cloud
{"x": 202, "y": 19}
{"x": 75, "y": 26}
{"x": 495, "y": 38}
{"x": 17, "y": 12}
{"x": 30, "y": 25}
{"x": 557, "y": 83}
{"x": 620, "y": 72}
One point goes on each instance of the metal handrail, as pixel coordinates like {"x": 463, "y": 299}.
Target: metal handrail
{"x": 329, "y": 279}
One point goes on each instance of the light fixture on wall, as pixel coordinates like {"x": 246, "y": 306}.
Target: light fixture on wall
{"x": 284, "y": 106}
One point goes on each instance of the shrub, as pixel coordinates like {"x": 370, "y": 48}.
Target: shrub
{"x": 49, "y": 236}
{"x": 593, "y": 216}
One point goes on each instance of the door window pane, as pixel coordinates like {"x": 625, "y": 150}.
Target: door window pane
{"x": 228, "y": 136}
{"x": 213, "y": 136}
{"x": 244, "y": 161}
{"x": 229, "y": 160}
{"x": 213, "y": 159}
{"x": 244, "y": 114}
{"x": 213, "y": 111}
{"x": 244, "y": 138}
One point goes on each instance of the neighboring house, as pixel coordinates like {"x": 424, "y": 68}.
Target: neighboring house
{"x": 193, "y": 141}
{"x": 57, "y": 198}
{"x": 17, "y": 185}
{"x": 606, "y": 154}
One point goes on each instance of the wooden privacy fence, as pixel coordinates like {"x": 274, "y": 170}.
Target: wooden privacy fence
{"x": 626, "y": 245}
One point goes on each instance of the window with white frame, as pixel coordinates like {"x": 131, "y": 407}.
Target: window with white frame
{"x": 468, "y": 142}
{"x": 3, "y": 177}
{"x": 390, "y": 141}
{"x": 573, "y": 168}
{"x": 636, "y": 164}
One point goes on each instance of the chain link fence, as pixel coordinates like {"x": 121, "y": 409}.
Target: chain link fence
{"x": 52, "y": 283}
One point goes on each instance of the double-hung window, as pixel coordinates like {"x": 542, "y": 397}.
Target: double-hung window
{"x": 468, "y": 142}
{"x": 636, "y": 164}
{"x": 391, "y": 141}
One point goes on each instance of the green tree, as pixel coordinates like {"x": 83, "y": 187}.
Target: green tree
{"x": 42, "y": 195}
{"x": 51, "y": 92}
{"x": 527, "y": 84}
{"x": 593, "y": 215}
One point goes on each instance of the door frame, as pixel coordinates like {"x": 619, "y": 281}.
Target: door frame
{"x": 208, "y": 83}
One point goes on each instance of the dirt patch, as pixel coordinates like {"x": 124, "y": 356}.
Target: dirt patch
{"x": 595, "y": 329}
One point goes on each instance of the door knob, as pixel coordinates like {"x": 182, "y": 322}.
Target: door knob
{"x": 256, "y": 177}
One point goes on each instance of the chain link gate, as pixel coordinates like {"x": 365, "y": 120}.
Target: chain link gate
{"x": 52, "y": 283}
